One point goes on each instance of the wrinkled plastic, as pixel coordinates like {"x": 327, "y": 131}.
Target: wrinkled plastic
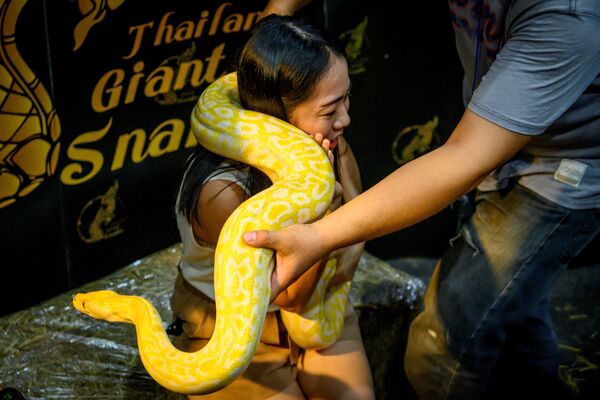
{"x": 52, "y": 351}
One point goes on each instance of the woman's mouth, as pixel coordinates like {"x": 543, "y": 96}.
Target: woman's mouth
{"x": 332, "y": 144}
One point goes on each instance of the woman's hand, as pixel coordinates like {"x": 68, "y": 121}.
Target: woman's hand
{"x": 324, "y": 143}
{"x": 338, "y": 190}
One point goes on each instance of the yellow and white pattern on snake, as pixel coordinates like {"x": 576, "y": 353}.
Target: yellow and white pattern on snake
{"x": 302, "y": 189}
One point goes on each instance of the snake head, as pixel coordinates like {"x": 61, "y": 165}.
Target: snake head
{"x": 95, "y": 304}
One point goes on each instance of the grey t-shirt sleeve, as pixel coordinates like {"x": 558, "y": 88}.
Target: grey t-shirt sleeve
{"x": 548, "y": 60}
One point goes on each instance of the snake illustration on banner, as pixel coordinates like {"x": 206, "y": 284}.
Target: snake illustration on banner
{"x": 29, "y": 145}
{"x": 303, "y": 182}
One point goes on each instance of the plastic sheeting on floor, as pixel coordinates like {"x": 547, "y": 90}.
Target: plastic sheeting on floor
{"x": 52, "y": 351}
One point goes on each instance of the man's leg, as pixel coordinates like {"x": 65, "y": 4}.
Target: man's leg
{"x": 501, "y": 266}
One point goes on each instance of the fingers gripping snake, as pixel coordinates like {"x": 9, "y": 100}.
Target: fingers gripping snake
{"x": 303, "y": 182}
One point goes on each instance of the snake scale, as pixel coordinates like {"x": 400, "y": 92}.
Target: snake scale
{"x": 303, "y": 182}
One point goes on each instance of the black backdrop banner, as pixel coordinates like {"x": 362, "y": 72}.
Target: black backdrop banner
{"x": 95, "y": 99}
{"x": 406, "y": 85}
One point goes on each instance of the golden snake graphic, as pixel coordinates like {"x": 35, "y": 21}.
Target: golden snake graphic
{"x": 423, "y": 138}
{"x": 302, "y": 189}
{"x": 30, "y": 127}
{"x": 93, "y": 12}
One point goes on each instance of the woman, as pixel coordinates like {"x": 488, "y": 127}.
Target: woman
{"x": 290, "y": 70}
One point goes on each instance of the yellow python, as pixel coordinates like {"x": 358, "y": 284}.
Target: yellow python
{"x": 302, "y": 189}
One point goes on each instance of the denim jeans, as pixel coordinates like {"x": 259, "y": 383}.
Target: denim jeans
{"x": 488, "y": 294}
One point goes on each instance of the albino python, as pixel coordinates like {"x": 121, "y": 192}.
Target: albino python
{"x": 302, "y": 189}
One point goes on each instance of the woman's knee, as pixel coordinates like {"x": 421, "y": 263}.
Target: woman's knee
{"x": 362, "y": 392}
{"x": 340, "y": 372}
{"x": 292, "y": 392}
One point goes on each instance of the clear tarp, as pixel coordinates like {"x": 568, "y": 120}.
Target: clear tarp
{"x": 52, "y": 351}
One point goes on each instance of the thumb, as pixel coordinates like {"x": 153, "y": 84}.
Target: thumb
{"x": 267, "y": 239}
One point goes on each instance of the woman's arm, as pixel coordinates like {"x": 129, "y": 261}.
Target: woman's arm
{"x": 294, "y": 297}
{"x": 413, "y": 192}
{"x": 349, "y": 174}
{"x": 218, "y": 199}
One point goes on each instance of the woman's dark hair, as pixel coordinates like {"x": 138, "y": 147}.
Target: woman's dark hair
{"x": 200, "y": 166}
{"x": 278, "y": 68}
{"x": 281, "y": 63}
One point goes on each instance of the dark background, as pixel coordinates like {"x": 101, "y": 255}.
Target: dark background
{"x": 407, "y": 74}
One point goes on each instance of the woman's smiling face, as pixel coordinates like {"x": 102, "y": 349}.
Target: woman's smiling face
{"x": 326, "y": 111}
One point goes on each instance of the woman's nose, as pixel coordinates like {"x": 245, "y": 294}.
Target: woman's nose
{"x": 343, "y": 120}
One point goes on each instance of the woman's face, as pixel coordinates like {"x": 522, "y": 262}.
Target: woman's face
{"x": 326, "y": 111}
